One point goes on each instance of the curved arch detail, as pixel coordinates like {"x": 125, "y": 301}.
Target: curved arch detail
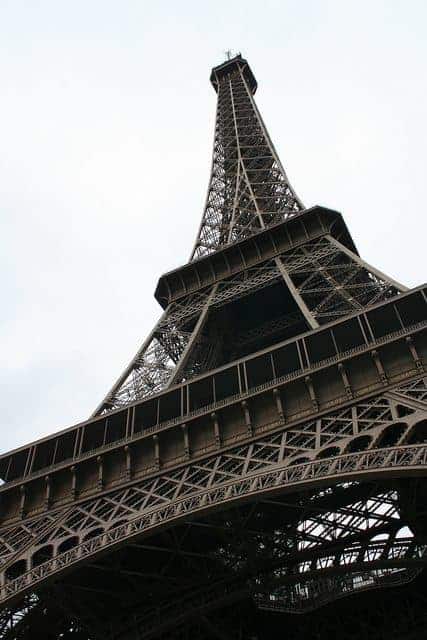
{"x": 357, "y": 466}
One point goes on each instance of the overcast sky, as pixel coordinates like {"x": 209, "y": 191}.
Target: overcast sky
{"x": 106, "y": 127}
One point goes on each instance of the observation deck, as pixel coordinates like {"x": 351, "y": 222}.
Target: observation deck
{"x": 228, "y": 67}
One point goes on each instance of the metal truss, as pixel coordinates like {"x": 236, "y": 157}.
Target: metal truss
{"x": 170, "y": 614}
{"x": 311, "y": 594}
{"x": 396, "y": 615}
{"x": 253, "y": 553}
{"x": 248, "y": 188}
{"x": 332, "y": 281}
{"x": 299, "y": 443}
{"x": 290, "y": 566}
{"x": 389, "y": 613}
{"x": 163, "y": 355}
{"x": 287, "y": 564}
{"x": 37, "y": 617}
{"x": 10, "y": 619}
{"x": 347, "y": 443}
{"x": 325, "y": 278}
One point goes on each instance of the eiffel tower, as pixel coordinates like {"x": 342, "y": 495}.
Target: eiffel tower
{"x": 258, "y": 469}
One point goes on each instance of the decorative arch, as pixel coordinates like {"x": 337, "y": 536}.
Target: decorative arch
{"x": 42, "y": 555}
{"x": 360, "y": 443}
{"x": 391, "y": 435}
{"x": 418, "y": 433}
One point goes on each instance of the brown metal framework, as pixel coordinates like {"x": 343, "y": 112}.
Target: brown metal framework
{"x": 262, "y": 456}
{"x": 248, "y": 188}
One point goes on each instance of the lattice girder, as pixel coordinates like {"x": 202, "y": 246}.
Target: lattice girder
{"x": 326, "y": 280}
{"x": 278, "y": 458}
{"x": 303, "y": 441}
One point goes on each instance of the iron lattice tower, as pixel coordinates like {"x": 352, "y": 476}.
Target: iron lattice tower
{"x": 262, "y": 456}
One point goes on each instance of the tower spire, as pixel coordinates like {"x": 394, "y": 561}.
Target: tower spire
{"x": 249, "y": 193}
{"x": 248, "y": 188}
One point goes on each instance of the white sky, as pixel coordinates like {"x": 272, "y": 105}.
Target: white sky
{"x": 106, "y": 126}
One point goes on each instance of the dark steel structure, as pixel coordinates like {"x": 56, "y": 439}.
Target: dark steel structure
{"x": 259, "y": 468}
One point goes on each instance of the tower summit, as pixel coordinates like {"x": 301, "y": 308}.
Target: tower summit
{"x": 231, "y": 66}
{"x": 248, "y": 188}
{"x": 263, "y": 455}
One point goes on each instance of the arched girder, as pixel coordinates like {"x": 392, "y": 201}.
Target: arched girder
{"x": 394, "y": 462}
